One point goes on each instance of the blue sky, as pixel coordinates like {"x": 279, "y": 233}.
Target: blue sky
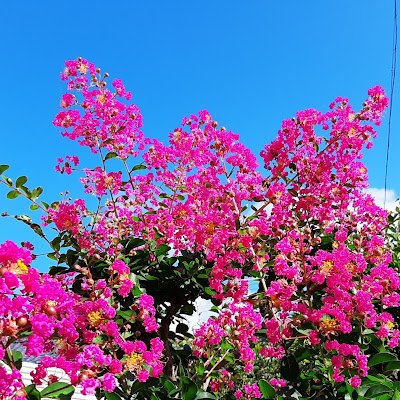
{"x": 251, "y": 64}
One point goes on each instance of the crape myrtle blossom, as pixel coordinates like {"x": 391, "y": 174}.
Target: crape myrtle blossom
{"x": 313, "y": 240}
{"x": 66, "y": 165}
{"x": 106, "y": 123}
{"x": 63, "y": 323}
{"x": 192, "y": 195}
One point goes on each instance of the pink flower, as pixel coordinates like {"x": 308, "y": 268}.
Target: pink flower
{"x": 89, "y": 386}
{"x": 277, "y": 383}
{"x": 143, "y": 375}
{"x": 355, "y": 381}
{"x": 67, "y": 216}
{"x": 115, "y": 367}
{"x": 99, "y": 182}
{"x": 10, "y": 253}
{"x": 109, "y": 382}
{"x": 67, "y": 100}
{"x": 125, "y": 288}
{"x": 120, "y": 267}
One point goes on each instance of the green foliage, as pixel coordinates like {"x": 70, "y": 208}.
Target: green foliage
{"x": 58, "y": 390}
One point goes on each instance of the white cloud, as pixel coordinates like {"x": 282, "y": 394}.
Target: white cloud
{"x": 379, "y": 195}
{"x": 201, "y": 314}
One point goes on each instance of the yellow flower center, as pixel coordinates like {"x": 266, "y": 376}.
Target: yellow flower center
{"x": 134, "y": 361}
{"x": 351, "y": 266}
{"x": 181, "y": 213}
{"x": 101, "y": 98}
{"x": 18, "y": 268}
{"x": 352, "y": 132}
{"x": 329, "y": 325}
{"x": 109, "y": 181}
{"x": 94, "y": 318}
{"x": 326, "y": 267}
{"x": 210, "y": 228}
{"x": 83, "y": 68}
{"x": 22, "y": 267}
{"x": 389, "y": 325}
{"x": 177, "y": 135}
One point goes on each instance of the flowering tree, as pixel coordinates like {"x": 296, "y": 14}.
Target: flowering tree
{"x": 302, "y": 282}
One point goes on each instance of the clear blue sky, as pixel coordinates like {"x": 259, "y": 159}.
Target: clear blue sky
{"x": 251, "y": 64}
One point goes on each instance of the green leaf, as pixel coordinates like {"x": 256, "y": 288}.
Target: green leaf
{"x": 17, "y": 359}
{"x": 9, "y": 181}
{"x": 55, "y": 243}
{"x": 209, "y": 291}
{"x": 182, "y": 328}
{"x": 125, "y": 314}
{"x": 162, "y": 249}
{"x": 37, "y": 229}
{"x": 13, "y": 194}
{"x": 57, "y": 389}
{"x": 392, "y": 366}
{"x": 384, "y": 396}
{"x": 189, "y": 389}
{"x": 187, "y": 309}
{"x": 111, "y": 396}
{"x": 3, "y": 168}
{"x": 110, "y": 155}
{"x": 266, "y": 389}
{"x": 376, "y": 390}
{"x": 36, "y": 193}
{"x": 52, "y": 256}
{"x": 148, "y": 277}
{"x": 200, "y": 369}
{"x": 226, "y": 346}
{"x": 290, "y": 369}
{"x": 33, "y": 207}
{"x": 302, "y": 353}
{"x": 32, "y": 393}
{"x": 137, "y": 291}
{"x": 134, "y": 243}
{"x": 169, "y": 386}
{"x": 381, "y": 358}
{"x": 138, "y": 167}
{"x": 21, "y": 181}
{"x": 204, "y": 395}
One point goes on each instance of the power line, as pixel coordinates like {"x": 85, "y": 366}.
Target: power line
{"x": 393, "y": 79}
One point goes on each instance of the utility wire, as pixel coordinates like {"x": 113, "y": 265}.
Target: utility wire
{"x": 393, "y": 79}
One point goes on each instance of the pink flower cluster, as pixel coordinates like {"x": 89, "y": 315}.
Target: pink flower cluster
{"x": 106, "y": 122}
{"x": 305, "y": 230}
{"x": 249, "y": 391}
{"x": 350, "y": 359}
{"x": 236, "y": 325}
{"x": 66, "y": 165}
{"x": 66, "y": 216}
{"x": 54, "y": 320}
{"x": 100, "y": 182}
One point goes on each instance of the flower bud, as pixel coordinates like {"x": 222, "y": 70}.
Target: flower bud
{"x": 20, "y": 393}
{"x": 22, "y": 321}
{"x": 51, "y": 311}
